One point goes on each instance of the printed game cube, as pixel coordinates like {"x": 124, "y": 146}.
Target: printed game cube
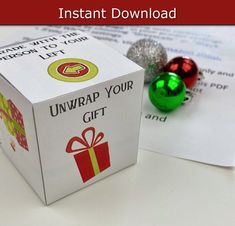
{"x": 70, "y": 115}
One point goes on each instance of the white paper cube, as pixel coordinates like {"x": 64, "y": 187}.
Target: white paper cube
{"x": 70, "y": 112}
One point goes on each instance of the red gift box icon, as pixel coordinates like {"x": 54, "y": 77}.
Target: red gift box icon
{"x": 93, "y": 158}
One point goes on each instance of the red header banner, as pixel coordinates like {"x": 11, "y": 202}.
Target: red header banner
{"x": 117, "y": 12}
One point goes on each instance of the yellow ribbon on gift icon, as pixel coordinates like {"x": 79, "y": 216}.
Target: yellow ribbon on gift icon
{"x": 94, "y": 162}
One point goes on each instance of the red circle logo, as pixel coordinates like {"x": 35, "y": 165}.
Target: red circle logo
{"x": 73, "y": 69}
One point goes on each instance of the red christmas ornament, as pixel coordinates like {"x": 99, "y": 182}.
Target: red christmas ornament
{"x": 186, "y": 68}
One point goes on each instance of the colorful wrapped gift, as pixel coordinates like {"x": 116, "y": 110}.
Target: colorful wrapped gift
{"x": 5, "y": 111}
{"x": 13, "y": 121}
{"x": 93, "y": 157}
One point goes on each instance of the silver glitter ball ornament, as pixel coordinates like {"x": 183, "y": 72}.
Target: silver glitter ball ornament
{"x": 150, "y": 55}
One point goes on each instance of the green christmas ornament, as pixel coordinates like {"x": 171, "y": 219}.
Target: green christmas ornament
{"x": 167, "y": 91}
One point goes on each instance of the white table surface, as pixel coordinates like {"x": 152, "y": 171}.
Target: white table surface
{"x": 158, "y": 190}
